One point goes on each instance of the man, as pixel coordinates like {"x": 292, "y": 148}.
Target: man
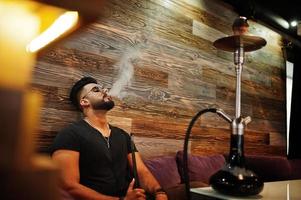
{"x": 95, "y": 157}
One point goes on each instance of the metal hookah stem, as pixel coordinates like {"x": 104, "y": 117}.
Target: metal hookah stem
{"x": 238, "y": 61}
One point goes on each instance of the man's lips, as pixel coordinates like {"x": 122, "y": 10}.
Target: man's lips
{"x": 107, "y": 97}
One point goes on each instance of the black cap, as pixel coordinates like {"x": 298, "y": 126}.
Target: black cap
{"x": 77, "y": 87}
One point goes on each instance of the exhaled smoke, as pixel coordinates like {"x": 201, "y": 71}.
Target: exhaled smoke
{"x": 125, "y": 72}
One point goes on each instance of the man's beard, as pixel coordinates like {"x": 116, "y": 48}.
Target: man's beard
{"x": 103, "y": 105}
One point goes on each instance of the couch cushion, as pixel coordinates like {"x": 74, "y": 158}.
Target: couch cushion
{"x": 200, "y": 168}
{"x": 165, "y": 170}
{"x": 178, "y": 192}
{"x": 269, "y": 168}
{"x": 295, "y": 168}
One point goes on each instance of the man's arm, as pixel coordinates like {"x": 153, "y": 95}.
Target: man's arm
{"x": 147, "y": 180}
{"x": 68, "y": 162}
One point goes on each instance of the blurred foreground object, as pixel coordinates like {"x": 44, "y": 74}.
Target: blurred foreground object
{"x": 28, "y": 28}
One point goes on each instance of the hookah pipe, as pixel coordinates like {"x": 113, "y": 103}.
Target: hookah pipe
{"x": 135, "y": 172}
{"x": 233, "y": 178}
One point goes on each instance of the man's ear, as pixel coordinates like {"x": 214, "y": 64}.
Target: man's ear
{"x": 84, "y": 102}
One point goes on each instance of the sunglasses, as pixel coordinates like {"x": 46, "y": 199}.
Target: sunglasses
{"x": 95, "y": 89}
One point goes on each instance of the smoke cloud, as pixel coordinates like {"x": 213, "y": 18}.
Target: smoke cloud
{"x": 125, "y": 72}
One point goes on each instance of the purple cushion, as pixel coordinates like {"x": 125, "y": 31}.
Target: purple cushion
{"x": 269, "y": 168}
{"x": 165, "y": 170}
{"x": 295, "y": 168}
{"x": 178, "y": 192}
{"x": 201, "y": 168}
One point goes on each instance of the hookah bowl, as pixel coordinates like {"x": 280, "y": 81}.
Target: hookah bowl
{"x": 234, "y": 178}
{"x": 236, "y": 181}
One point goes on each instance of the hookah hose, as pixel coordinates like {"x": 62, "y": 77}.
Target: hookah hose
{"x": 185, "y": 162}
{"x": 135, "y": 172}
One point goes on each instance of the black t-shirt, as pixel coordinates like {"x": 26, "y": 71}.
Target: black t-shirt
{"x": 102, "y": 169}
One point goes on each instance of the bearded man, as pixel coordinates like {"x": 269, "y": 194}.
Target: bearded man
{"x": 96, "y": 157}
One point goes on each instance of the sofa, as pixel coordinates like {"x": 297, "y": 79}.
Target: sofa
{"x": 168, "y": 170}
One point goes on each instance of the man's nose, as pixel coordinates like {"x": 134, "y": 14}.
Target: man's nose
{"x": 105, "y": 90}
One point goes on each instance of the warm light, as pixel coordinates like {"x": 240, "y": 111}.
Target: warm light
{"x": 64, "y": 23}
{"x": 18, "y": 25}
{"x": 20, "y": 22}
{"x": 294, "y": 23}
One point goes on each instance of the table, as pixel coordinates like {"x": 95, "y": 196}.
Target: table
{"x": 279, "y": 190}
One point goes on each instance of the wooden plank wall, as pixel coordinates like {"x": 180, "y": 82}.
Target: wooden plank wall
{"x": 177, "y": 72}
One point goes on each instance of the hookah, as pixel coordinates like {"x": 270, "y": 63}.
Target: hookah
{"x": 234, "y": 178}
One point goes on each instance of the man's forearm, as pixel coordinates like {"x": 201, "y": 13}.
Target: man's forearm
{"x": 81, "y": 192}
{"x": 148, "y": 182}
{"x": 151, "y": 185}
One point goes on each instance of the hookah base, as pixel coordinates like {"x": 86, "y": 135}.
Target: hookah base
{"x": 236, "y": 182}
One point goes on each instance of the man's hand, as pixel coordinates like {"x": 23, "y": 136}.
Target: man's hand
{"x": 134, "y": 194}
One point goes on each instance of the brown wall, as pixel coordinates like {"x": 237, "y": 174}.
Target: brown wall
{"x": 177, "y": 73}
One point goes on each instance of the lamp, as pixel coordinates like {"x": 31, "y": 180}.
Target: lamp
{"x": 27, "y": 29}
{"x": 33, "y": 26}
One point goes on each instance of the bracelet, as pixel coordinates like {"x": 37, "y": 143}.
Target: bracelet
{"x": 160, "y": 191}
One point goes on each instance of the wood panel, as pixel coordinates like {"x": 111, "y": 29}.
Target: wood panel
{"x": 177, "y": 72}
{"x": 154, "y": 147}
{"x": 172, "y": 130}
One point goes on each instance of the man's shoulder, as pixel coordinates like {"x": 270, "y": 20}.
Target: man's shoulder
{"x": 68, "y": 138}
{"x": 118, "y": 130}
{"x": 115, "y": 128}
{"x": 74, "y": 127}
